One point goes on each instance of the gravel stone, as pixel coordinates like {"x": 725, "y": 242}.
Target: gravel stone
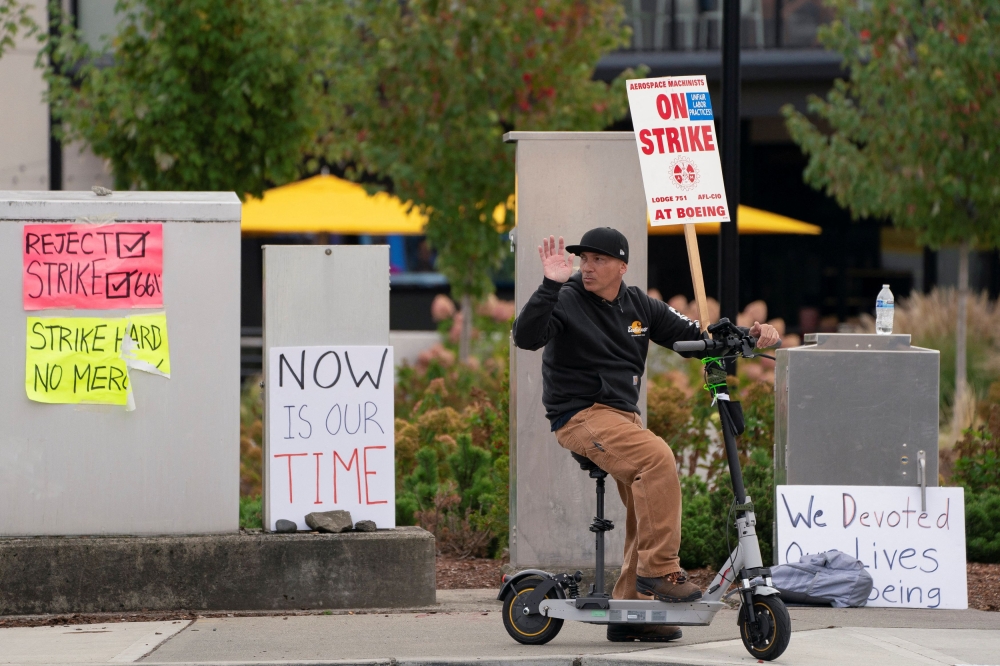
{"x": 283, "y": 525}
{"x": 365, "y": 526}
{"x": 330, "y": 521}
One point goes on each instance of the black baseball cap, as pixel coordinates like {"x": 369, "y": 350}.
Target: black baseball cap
{"x": 604, "y": 240}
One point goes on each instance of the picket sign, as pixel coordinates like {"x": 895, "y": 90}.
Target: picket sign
{"x": 916, "y": 557}
{"x": 679, "y": 159}
{"x": 331, "y": 433}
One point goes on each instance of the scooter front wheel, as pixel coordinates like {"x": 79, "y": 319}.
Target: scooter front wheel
{"x": 528, "y": 629}
{"x": 769, "y": 638}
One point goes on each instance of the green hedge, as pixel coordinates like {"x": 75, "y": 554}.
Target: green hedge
{"x": 982, "y": 516}
{"x": 452, "y": 465}
{"x": 977, "y": 469}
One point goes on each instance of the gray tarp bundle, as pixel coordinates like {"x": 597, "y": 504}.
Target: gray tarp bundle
{"x": 832, "y": 577}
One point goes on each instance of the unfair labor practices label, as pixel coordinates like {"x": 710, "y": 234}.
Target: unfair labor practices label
{"x": 678, "y": 150}
{"x": 916, "y": 556}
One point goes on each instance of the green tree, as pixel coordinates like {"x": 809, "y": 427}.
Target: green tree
{"x": 421, "y": 93}
{"x": 14, "y": 18}
{"x": 201, "y": 95}
{"x": 916, "y": 126}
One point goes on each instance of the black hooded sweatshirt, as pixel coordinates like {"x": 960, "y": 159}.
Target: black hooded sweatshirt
{"x": 595, "y": 350}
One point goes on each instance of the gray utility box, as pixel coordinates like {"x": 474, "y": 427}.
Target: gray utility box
{"x": 322, "y": 295}
{"x": 855, "y": 410}
{"x": 173, "y": 465}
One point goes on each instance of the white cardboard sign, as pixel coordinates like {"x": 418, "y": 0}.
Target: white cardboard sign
{"x": 916, "y": 558}
{"x": 331, "y": 433}
{"x": 678, "y": 150}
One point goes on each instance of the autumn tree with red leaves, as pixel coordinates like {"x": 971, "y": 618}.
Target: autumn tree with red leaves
{"x": 915, "y": 127}
{"x": 421, "y": 93}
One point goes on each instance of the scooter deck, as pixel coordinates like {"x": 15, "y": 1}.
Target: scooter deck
{"x": 695, "y": 613}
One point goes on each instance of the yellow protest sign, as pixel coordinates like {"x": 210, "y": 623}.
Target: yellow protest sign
{"x": 76, "y": 360}
{"x": 146, "y": 347}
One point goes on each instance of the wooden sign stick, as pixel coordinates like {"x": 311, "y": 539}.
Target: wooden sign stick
{"x": 697, "y": 278}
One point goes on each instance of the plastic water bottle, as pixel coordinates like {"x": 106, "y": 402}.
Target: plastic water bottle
{"x": 884, "y": 306}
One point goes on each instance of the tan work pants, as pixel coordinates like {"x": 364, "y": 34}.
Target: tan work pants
{"x": 643, "y": 466}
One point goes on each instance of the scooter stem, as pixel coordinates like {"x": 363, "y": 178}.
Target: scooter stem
{"x": 732, "y": 453}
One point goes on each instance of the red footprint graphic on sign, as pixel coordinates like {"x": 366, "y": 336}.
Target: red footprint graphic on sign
{"x": 685, "y": 173}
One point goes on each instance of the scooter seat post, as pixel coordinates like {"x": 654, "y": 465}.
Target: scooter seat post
{"x": 600, "y": 524}
{"x": 599, "y": 571}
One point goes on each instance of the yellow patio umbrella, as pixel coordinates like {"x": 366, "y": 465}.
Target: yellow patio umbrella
{"x": 327, "y": 204}
{"x": 751, "y": 221}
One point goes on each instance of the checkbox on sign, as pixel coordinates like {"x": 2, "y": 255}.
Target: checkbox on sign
{"x": 131, "y": 245}
{"x": 118, "y": 285}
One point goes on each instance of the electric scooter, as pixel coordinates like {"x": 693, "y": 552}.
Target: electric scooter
{"x": 535, "y": 603}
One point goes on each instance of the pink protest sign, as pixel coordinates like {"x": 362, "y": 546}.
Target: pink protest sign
{"x": 92, "y": 267}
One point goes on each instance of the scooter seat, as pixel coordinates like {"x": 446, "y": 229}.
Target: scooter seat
{"x": 586, "y": 464}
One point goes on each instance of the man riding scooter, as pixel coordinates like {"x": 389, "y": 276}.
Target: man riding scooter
{"x": 596, "y": 331}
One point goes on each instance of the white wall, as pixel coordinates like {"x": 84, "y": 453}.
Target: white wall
{"x": 82, "y": 169}
{"x": 24, "y": 117}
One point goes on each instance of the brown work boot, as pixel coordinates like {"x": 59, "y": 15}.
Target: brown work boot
{"x": 647, "y": 633}
{"x": 672, "y": 588}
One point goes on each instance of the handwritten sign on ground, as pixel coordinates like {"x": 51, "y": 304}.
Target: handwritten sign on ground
{"x": 92, "y": 266}
{"x": 146, "y": 347}
{"x": 76, "y": 360}
{"x": 678, "y": 150}
{"x": 331, "y": 433}
{"x": 915, "y": 557}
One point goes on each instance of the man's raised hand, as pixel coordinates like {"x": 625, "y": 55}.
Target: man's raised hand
{"x": 555, "y": 264}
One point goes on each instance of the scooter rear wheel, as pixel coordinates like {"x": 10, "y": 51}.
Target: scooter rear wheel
{"x": 773, "y": 631}
{"x": 528, "y": 629}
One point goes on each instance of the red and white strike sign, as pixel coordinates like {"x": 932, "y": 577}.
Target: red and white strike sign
{"x": 678, "y": 151}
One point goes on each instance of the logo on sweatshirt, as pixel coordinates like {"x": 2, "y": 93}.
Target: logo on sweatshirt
{"x": 637, "y": 329}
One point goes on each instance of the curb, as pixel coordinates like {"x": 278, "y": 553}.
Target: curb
{"x": 427, "y": 661}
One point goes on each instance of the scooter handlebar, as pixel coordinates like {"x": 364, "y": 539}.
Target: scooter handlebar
{"x": 694, "y": 345}
{"x": 702, "y": 345}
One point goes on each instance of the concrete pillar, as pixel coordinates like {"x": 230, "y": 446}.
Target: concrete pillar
{"x": 567, "y": 183}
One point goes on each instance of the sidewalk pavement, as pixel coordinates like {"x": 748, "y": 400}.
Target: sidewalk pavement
{"x": 466, "y": 628}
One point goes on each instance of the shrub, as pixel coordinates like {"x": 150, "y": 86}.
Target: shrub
{"x": 451, "y": 453}
{"x": 699, "y": 536}
{"x": 690, "y": 424}
{"x": 452, "y": 465}
{"x": 982, "y": 515}
{"x": 708, "y": 533}
{"x": 251, "y": 513}
{"x": 251, "y": 437}
{"x": 670, "y": 413}
{"x": 977, "y": 469}
{"x": 758, "y": 477}
{"x": 977, "y": 465}
{"x": 471, "y": 469}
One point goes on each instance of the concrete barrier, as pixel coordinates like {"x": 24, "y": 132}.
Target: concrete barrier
{"x": 248, "y": 571}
